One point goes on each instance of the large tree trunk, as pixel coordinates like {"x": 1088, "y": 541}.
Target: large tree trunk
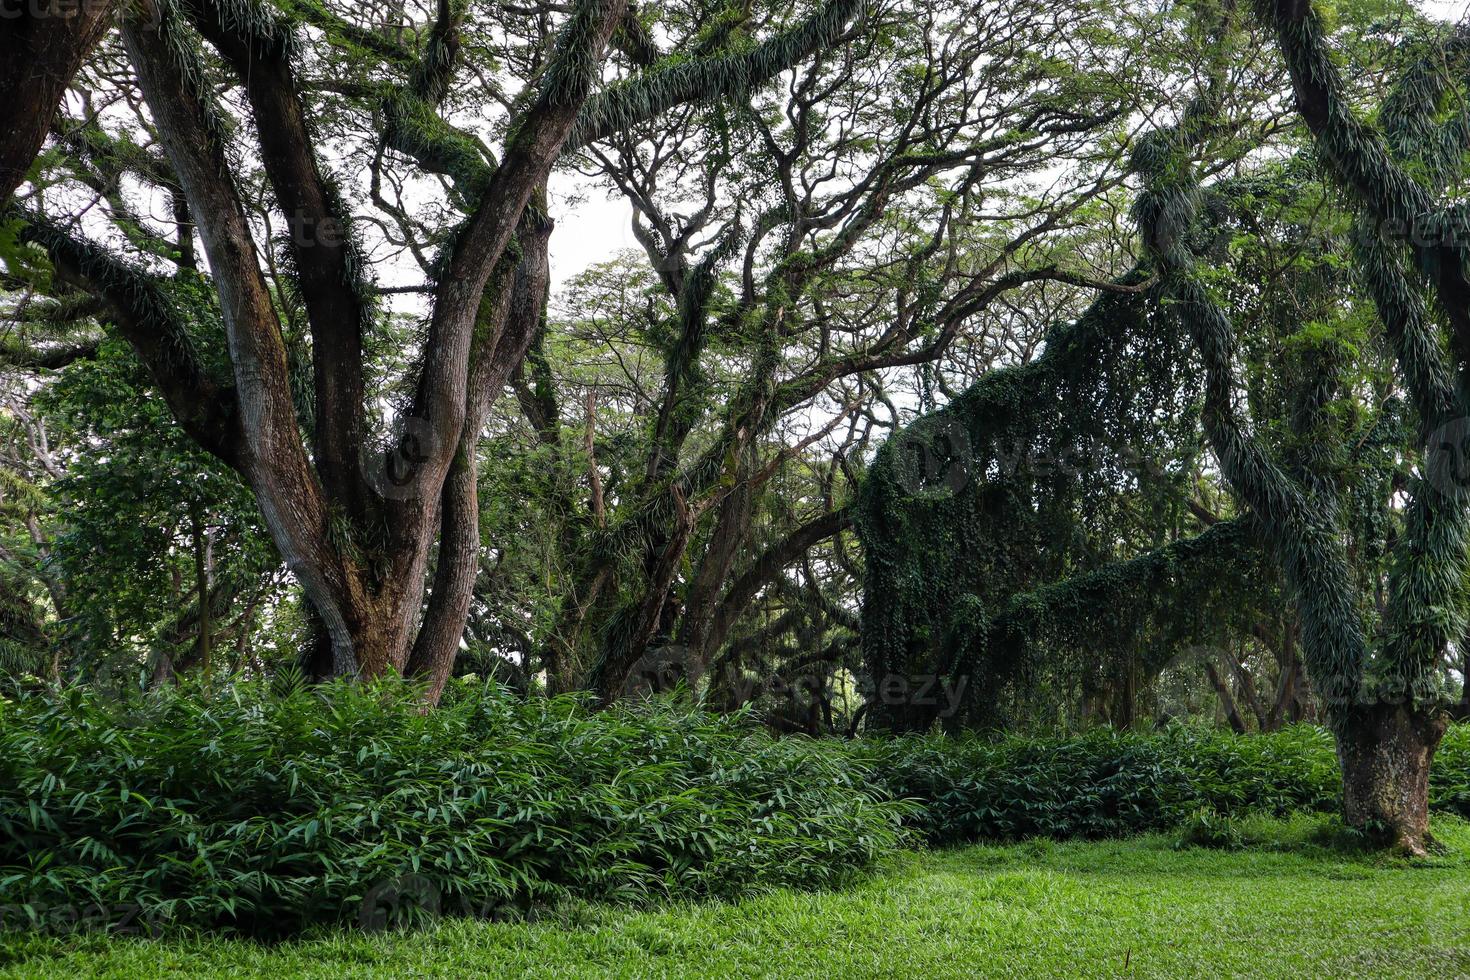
{"x": 438, "y": 640}
{"x": 42, "y": 45}
{"x": 1385, "y": 751}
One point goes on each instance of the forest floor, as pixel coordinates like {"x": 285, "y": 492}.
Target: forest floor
{"x": 1140, "y": 907}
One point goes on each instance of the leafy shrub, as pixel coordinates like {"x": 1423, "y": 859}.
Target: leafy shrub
{"x": 1109, "y": 784}
{"x": 1449, "y": 779}
{"x": 264, "y": 813}
{"x": 1206, "y": 828}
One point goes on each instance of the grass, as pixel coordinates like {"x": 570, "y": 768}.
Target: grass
{"x": 1291, "y": 904}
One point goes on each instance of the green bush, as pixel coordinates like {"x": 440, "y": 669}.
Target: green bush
{"x": 264, "y": 813}
{"x": 1449, "y": 779}
{"x": 1206, "y": 828}
{"x": 1110, "y": 784}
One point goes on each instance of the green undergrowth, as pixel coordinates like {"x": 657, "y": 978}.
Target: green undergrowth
{"x": 1106, "y": 783}
{"x": 268, "y": 813}
{"x": 1140, "y": 907}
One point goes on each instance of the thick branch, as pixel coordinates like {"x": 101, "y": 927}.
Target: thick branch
{"x": 539, "y": 136}
{"x": 659, "y": 89}
{"x": 273, "y": 458}
{"x": 326, "y": 263}
{"x": 42, "y": 45}
{"x": 142, "y": 312}
{"x": 770, "y": 564}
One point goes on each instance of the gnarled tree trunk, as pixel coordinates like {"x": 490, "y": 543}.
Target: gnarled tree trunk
{"x": 1385, "y": 751}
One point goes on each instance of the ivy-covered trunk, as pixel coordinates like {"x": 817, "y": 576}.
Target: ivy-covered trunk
{"x": 1385, "y": 751}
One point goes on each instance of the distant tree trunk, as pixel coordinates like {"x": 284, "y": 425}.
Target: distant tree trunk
{"x": 1125, "y": 694}
{"x": 1385, "y": 752}
{"x": 42, "y": 45}
{"x": 1289, "y": 705}
{"x": 316, "y": 652}
{"x": 201, "y": 579}
{"x": 1227, "y": 701}
{"x": 163, "y": 670}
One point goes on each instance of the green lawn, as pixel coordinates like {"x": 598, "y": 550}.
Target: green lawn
{"x": 1137, "y": 908}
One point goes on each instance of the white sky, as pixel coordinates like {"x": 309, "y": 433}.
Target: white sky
{"x": 591, "y": 226}
{"x": 1445, "y": 9}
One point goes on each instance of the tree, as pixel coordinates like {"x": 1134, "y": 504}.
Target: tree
{"x": 1045, "y": 526}
{"x": 1380, "y": 678}
{"x": 991, "y": 573}
{"x": 811, "y": 252}
{"x": 360, "y": 537}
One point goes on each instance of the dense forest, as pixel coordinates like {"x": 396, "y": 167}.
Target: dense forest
{"x": 975, "y": 370}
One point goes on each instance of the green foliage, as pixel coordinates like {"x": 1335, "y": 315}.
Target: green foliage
{"x": 119, "y": 521}
{"x": 1109, "y": 784}
{"x": 1352, "y": 660}
{"x": 264, "y": 812}
{"x": 1132, "y": 908}
{"x": 723, "y": 75}
{"x": 1207, "y": 828}
{"x": 980, "y": 521}
{"x": 1449, "y": 780}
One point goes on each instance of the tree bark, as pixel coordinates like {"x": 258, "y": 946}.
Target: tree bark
{"x": 41, "y": 50}
{"x": 1227, "y": 701}
{"x": 321, "y": 247}
{"x": 1385, "y": 751}
{"x": 524, "y": 294}
{"x": 272, "y": 459}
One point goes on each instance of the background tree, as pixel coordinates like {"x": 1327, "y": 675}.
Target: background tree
{"x": 815, "y": 253}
